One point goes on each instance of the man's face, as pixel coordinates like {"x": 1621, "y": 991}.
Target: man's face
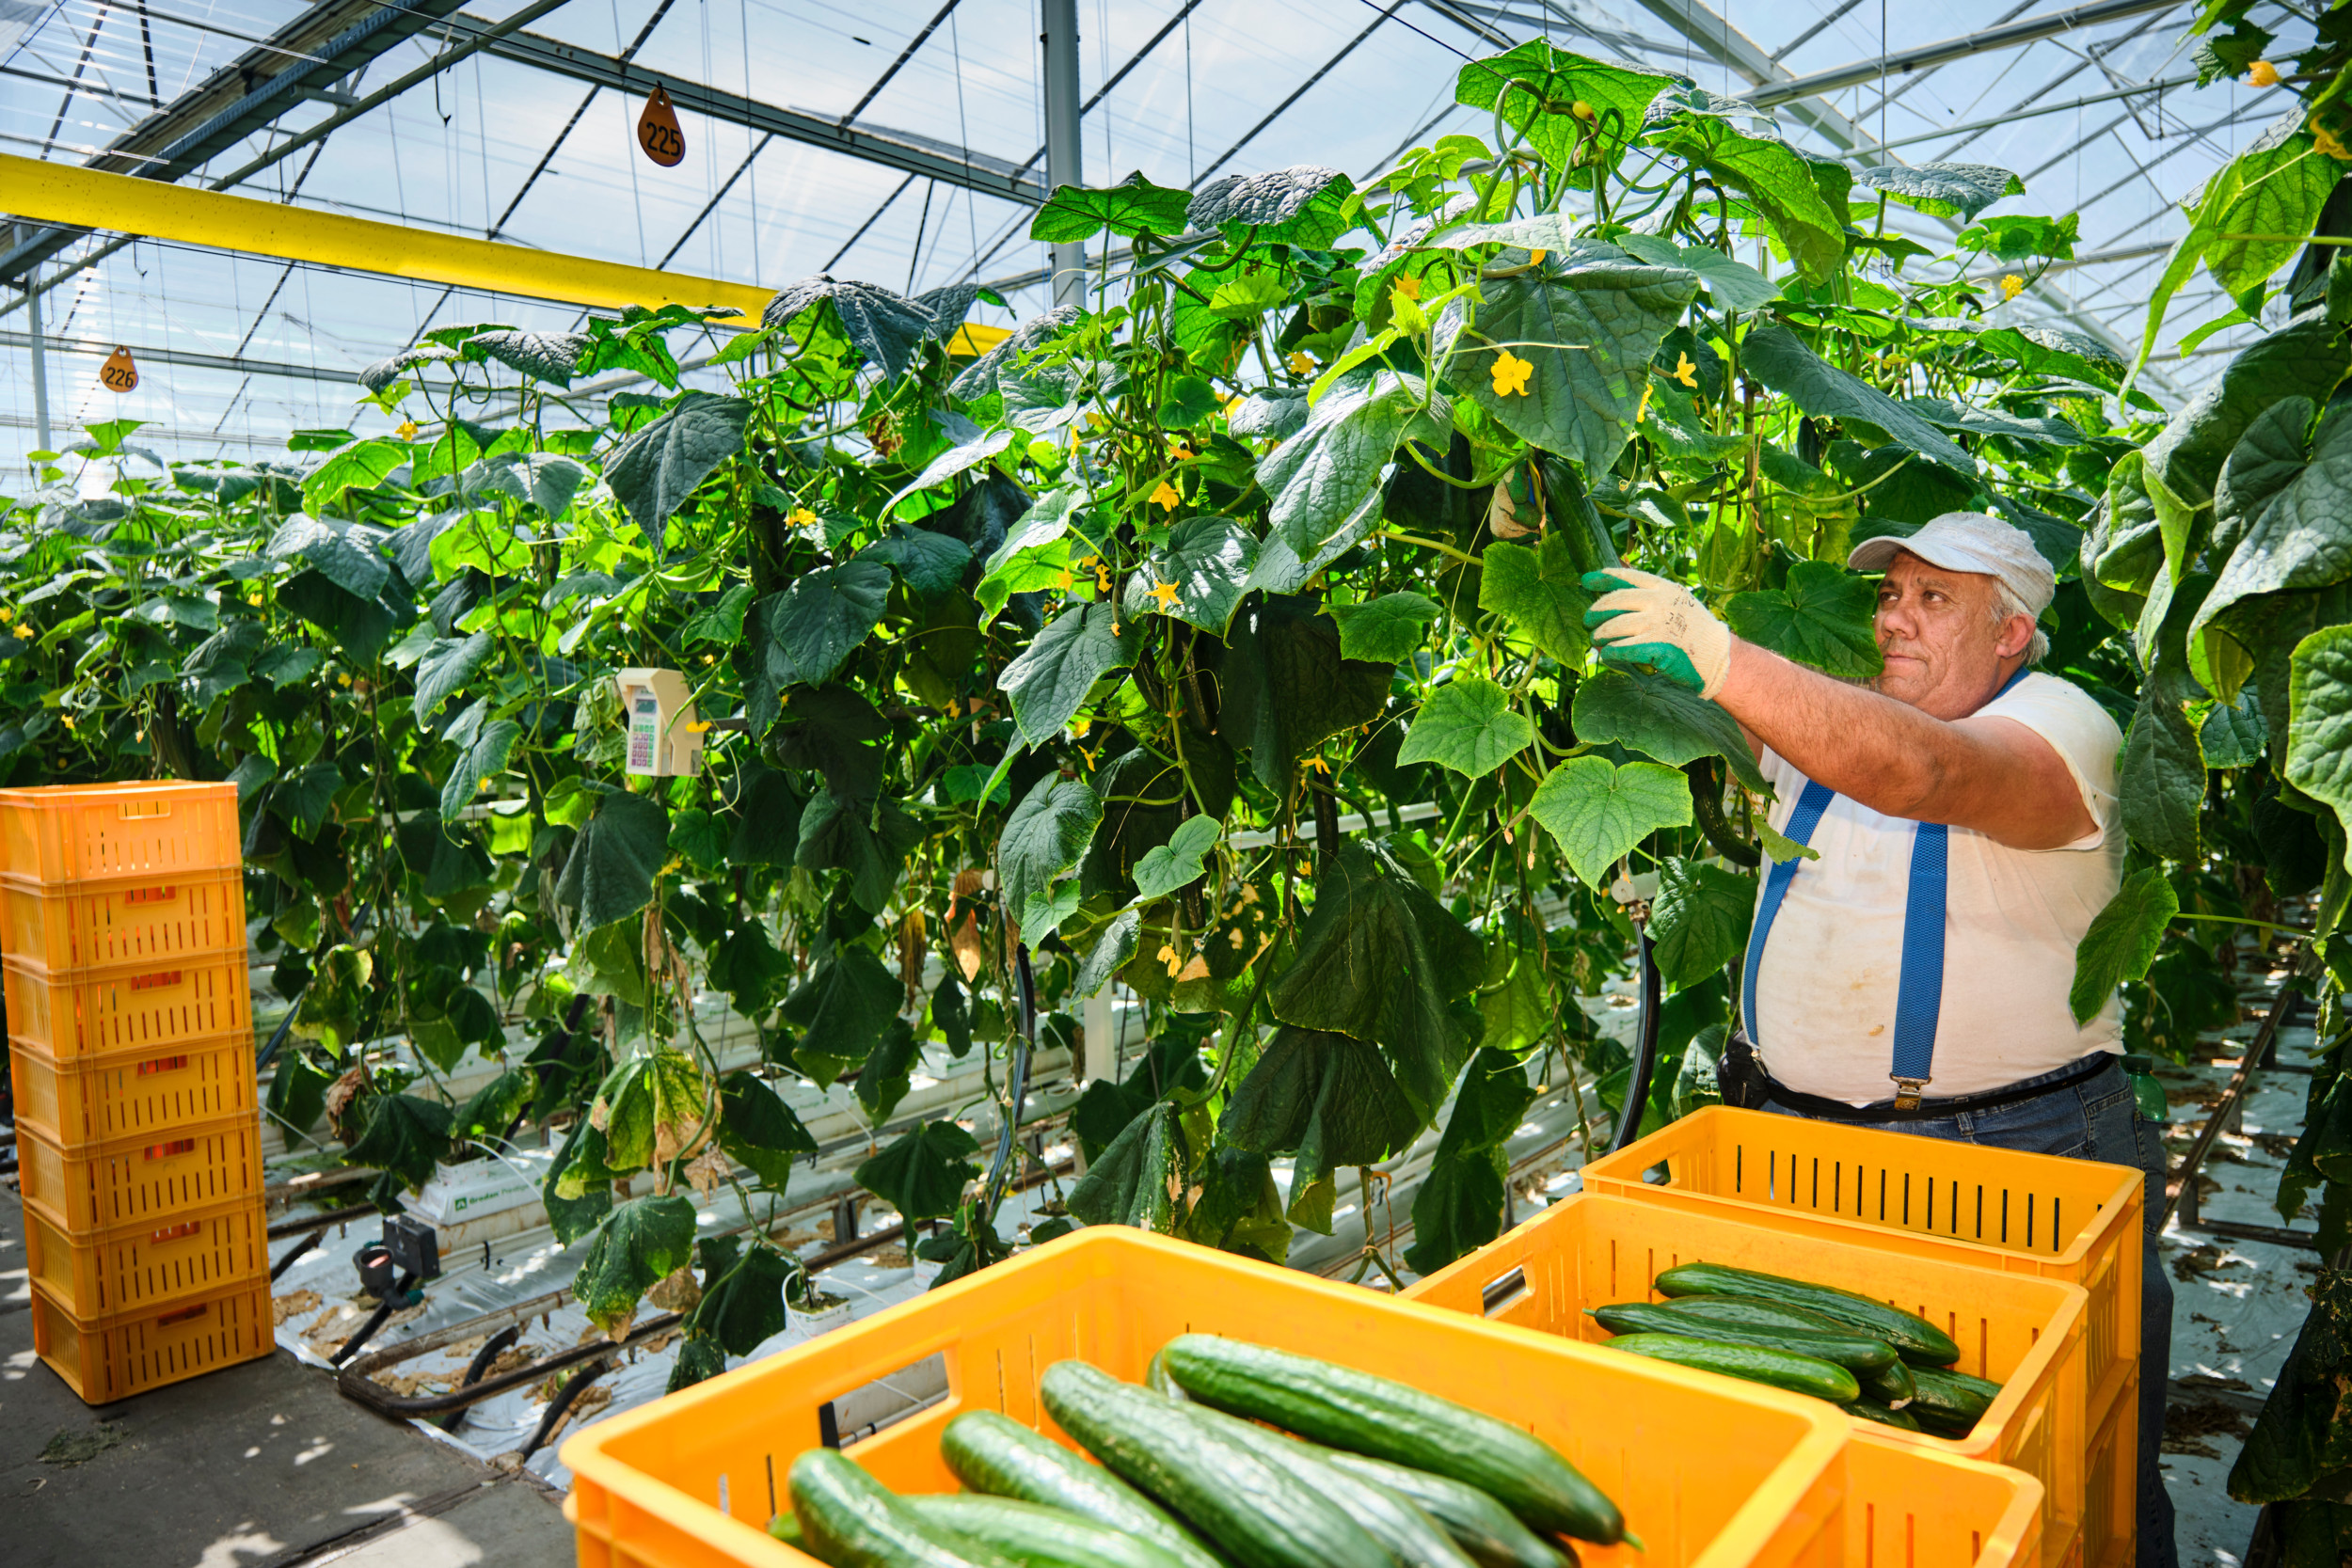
{"x": 1945, "y": 652}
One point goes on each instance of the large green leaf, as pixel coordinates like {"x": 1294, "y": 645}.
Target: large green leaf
{"x": 742, "y": 1302}
{"x": 2319, "y": 740}
{"x": 654, "y": 1108}
{"x": 348, "y": 557}
{"x": 1734, "y": 285}
{"x": 1136, "y": 1179}
{"x": 1619, "y": 97}
{"x": 1178, "y": 863}
{"x": 1198, "y": 575}
{"x": 885, "y": 327}
{"x": 1328, "y": 476}
{"x": 2160, "y": 780}
{"x": 1778, "y": 358}
{"x": 361, "y": 464}
{"x": 1946, "y": 190}
{"x": 2120, "y": 939}
{"x": 842, "y": 1010}
{"x": 1650, "y": 714}
{"x": 1459, "y": 1206}
{"x": 1386, "y": 629}
{"x": 1302, "y": 205}
{"x": 638, "y": 1244}
{"x": 1134, "y": 206}
{"x": 814, "y": 625}
{"x": 922, "y": 1173}
{"x": 1043, "y": 840}
{"x": 1781, "y": 181}
{"x": 2293, "y": 523}
{"x": 610, "y": 872}
{"x": 826, "y": 731}
{"x": 1822, "y": 617}
{"x": 1287, "y": 690}
{"x": 1589, "y": 330}
{"x": 1597, "y": 811}
{"x": 659, "y": 464}
{"x": 1326, "y": 1097}
{"x": 1379, "y": 958}
{"x": 1540, "y": 591}
{"x": 929, "y": 563}
{"x": 541, "y": 355}
{"x": 445, "y": 669}
{"x": 406, "y": 1135}
{"x": 866, "y": 839}
{"x": 1699, "y": 920}
{"x": 1469, "y": 725}
{"x": 1048, "y": 684}
{"x": 759, "y": 1132}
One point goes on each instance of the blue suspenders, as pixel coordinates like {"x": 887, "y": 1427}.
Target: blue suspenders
{"x": 1919, "y": 990}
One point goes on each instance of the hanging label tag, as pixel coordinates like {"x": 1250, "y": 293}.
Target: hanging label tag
{"x": 118, "y": 375}
{"x": 658, "y": 130}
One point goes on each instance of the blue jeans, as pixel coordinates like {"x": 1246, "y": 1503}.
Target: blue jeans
{"x": 2095, "y": 1119}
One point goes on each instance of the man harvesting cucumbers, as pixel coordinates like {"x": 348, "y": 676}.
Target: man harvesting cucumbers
{"x": 1961, "y": 806}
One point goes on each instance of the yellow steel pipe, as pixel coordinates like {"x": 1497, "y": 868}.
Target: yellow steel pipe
{"x": 80, "y": 197}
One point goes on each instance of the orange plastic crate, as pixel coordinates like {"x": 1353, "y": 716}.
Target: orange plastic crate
{"x": 2110, "y": 1532}
{"x": 1906, "y": 1508}
{"x": 59, "y": 834}
{"x": 197, "y": 915}
{"x": 148, "y": 1264}
{"x": 2074, "y": 1220}
{"x": 112, "y": 1357}
{"x": 75, "y": 1013}
{"x": 1707, "y": 1472}
{"x": 2024, "y": 1333}
{"x": 142, "y": 1180}
{"x": 86, "y": 1101}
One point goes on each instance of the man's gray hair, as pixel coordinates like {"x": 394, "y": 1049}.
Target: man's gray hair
{"x": 2005, "y": 604}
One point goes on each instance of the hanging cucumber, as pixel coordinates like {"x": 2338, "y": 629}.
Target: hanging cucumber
{"x": 1799, "y": 1374}
{"x": 850, "y": 1520}
{"x": 1915, "y": 1339}
{"x": 1039, "y": 1537}
{"x": 996, "y": 1454}
{"x": 1342, "y": 1408}
{"x": 1859, "y": 1353}
{"x": 1251, "y": 1509}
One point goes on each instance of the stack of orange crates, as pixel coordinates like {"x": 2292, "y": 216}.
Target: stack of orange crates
{"x": 122, "y": 957}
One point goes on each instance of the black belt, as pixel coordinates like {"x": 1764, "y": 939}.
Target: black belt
{"x": 1837, "y": 1110}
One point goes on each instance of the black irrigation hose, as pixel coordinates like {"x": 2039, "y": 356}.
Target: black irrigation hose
{"x": 278, "y": 1269}
{"x": 1018, "y": 1086}
{"x": 385, "y": 1309}
{"x": 1644, "y": 1053}
{"x": 489, "y": 1352}
{"x": 562, "y": 1402}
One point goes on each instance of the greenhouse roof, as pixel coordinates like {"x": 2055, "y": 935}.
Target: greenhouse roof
{"x": 904, "y": 144}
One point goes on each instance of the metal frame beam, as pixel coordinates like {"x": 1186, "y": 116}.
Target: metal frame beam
{"x": 900, "y": 150}
{"x": 1713, "y": 36}
{"x": 2030, "y": 29}
{"x": 233, "y": 364}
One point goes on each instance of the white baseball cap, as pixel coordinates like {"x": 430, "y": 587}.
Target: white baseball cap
{"x": 1970, "y": 542}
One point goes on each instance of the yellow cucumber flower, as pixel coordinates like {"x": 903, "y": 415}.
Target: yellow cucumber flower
{"x": 1642, "y": 412}
{"x": 1300, "y": 363}
{"x": 405, "y": 430}
{"x": 1166, "y": 496}
{"x": 1685, "y": 371}
{"x": 2264, "y": 74}
{"x": 1511, "y": 373}
{"x": 1408, "y": 287}
{"x": 2327, "y": 141}
{"x": 1165, "y": 593}
{"x": 2012, "y": 286}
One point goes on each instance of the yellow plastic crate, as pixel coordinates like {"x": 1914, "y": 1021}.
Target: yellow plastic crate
{"x": 112, "y": 1357}
{"x": 86, "y": 1101}
{"x": 2110, "y": 1532}
{"x": 140, "y": 1007}
{"x": 1710, "y": 1472}
{"x": 80, "y": 927}
{"x": 148, "y": 1264}
{"x": 2074, "y": 1220}
{"x": 1907, "y": 1507}
{"x": 62, "y": 834}
{"x": 2024, "y": 1333}
{"x": 143, "y": 1180}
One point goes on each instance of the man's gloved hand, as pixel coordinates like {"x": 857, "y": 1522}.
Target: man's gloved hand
{"x": 1641, "y": 618}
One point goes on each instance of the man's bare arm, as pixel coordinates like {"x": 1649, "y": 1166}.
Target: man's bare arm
{"x": 1992, "y": 775}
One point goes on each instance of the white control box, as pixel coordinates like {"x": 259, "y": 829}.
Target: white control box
{"x": 665, "y": 737}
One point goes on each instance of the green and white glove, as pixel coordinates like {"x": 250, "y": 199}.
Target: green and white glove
{"x": 1641, "y": 618}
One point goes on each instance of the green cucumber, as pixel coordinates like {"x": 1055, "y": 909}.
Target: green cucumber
{"x": 1859, "y": 1353}
{"x": 1892, "y": 1386}
{"x": 1157, "y": 1378}
{"x": 1342, "y": 1408}
{"x": 850, "y": 1520}
{"x": 1799, "y": 1374}
{"x": 995, "y": 1455}
{"x": 1411, "y": 1536}
{"x": 786, "y": 1526}
{"x": 1915, "y": 1339}
{"x": 1949, "y": 1403}
{"x": 1489, "y": 1532}
{"x": 1039, "y": 1537}
{"x": 1251, "y": 1509}
{"x": 1864, "y": 1410}
{"x": 1755, "y": 1312}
